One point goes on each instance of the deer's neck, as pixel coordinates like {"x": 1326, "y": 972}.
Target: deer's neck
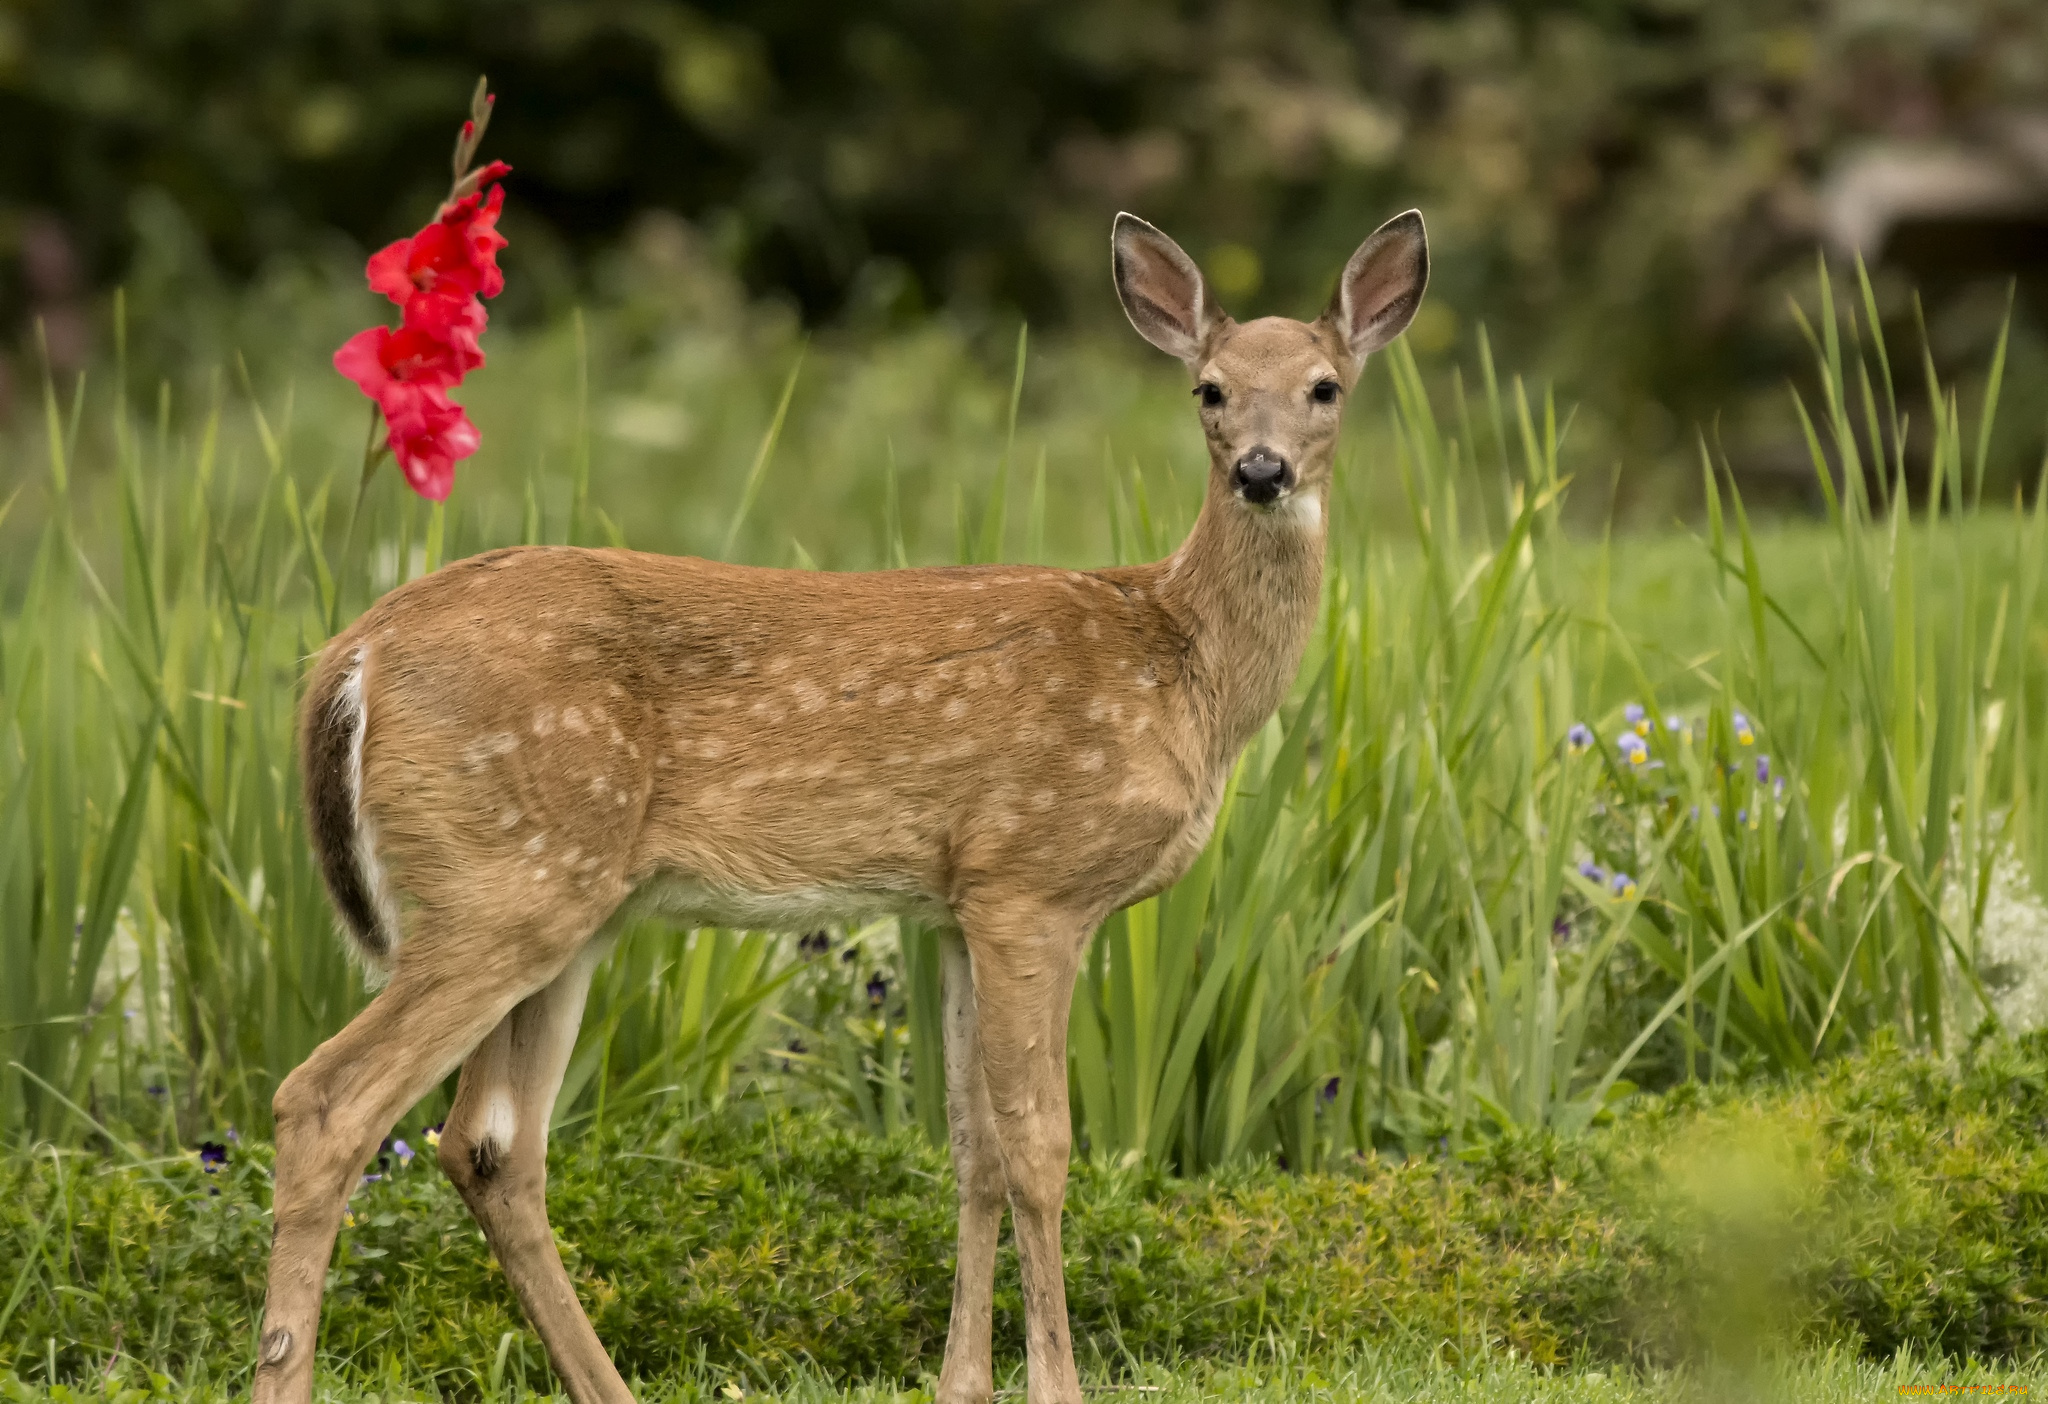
{"x": 1246, "y": 585}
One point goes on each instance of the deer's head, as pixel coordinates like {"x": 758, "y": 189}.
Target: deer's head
{"x": 1271, "y": 392}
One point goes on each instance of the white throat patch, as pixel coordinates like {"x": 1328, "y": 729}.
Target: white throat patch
{"x": 1303, "y": 509}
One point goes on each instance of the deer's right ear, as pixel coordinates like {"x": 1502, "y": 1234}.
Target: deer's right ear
{"x": 1162, "y": 290}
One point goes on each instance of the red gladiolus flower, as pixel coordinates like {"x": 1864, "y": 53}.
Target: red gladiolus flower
{"x": 380, "y": 357}
{"x": 456, "y": 255}
{"x": 428, "y": 434}
{"x": 458, "y": 321}
{"x": 437, "y": 277}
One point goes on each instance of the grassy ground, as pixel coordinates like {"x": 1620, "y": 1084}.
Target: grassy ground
{"x": 1890, "y": 1204}
{"x": 1832, "y": 1377}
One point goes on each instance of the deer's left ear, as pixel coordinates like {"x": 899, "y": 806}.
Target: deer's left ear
{"x": 1381, "y": 287}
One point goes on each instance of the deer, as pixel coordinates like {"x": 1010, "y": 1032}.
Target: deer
{"x": 506, "y": 759}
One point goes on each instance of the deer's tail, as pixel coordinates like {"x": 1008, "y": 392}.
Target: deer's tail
{"x": 331, "y": 729}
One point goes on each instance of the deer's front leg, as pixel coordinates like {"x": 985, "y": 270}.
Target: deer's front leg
{"x": 1024, "y": 960}
{"x": 968, "y": 1376}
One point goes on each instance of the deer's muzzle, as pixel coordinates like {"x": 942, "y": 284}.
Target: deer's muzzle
{"x": 1261, "y": 476}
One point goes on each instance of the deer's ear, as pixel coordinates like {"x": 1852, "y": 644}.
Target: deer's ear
{"x": 1382, "y": 286}
{"x": 1162, "y": 290}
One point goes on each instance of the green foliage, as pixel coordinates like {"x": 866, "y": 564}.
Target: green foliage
{"x": 1891, "y": 1202}
{"x": 1275, "y": 1377}
{"x": 1389, "y": 939}
{"x": 156, "y": 869}
{"x": 1446, "y": 917}
{"x": 669, "y": 1017}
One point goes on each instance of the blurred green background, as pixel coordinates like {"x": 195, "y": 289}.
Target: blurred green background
{"x": 1625, "y": 193}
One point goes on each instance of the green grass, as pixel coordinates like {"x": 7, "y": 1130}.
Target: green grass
{"x": 1389, "y": 940}
{"x": 1371, "y": 1378}
{"x": 1891, "y": 1204}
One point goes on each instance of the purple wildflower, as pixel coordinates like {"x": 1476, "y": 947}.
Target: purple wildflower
{"x": 1592, "y": 872}
{"x": 212, "y": 1155}
{"x": 878, "y": 988}
{"x": 1579, "y": 738}
{"x": 1329, "y": 1092}
{"x": 1763, "y": 769}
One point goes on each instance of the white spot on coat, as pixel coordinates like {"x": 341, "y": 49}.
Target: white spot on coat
{"x": 501, "y": 1122}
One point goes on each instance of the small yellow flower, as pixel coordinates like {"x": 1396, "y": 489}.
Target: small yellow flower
{"x": 348, "y": 1218}
{"x": 432, "y": 1135}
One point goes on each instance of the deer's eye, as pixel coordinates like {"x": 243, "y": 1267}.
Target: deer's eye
{"x": 1325, "y": 392}
{"x": 1211, "y": 394}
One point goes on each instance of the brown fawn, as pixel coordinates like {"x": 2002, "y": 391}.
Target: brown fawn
{"x": 503, "y": 757}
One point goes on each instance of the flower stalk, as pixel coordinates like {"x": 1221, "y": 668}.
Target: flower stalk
{"x": 438, "y": 278}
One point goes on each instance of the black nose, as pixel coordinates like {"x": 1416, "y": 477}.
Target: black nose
{"x": 1261, "y": 476}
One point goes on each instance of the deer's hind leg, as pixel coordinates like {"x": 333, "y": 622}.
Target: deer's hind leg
{"x": 455, "y": 979}
{"x": 495, "y": 1148}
